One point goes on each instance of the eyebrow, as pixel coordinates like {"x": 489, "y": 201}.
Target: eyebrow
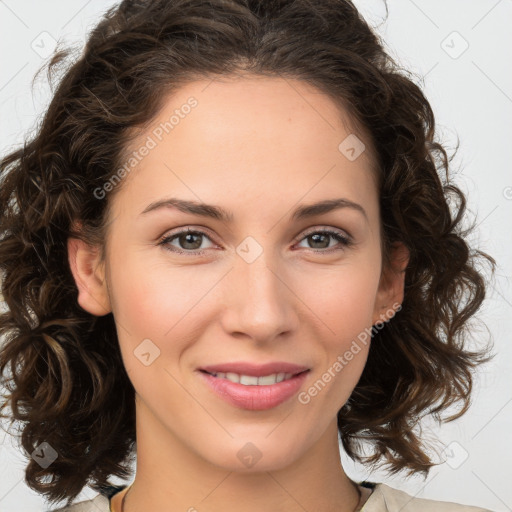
{"x": 219, "y": 213}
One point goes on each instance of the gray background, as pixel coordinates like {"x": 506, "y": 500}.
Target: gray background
{"x": 461, "y": 49}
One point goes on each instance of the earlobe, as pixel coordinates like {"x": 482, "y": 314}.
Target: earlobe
{"x": 89, "y": 275}
{"x": 391, "y": 287}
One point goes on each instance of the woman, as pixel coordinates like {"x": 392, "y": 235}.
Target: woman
{"x": 229, "y": 245}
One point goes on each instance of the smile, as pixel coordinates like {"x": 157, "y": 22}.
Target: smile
{"x": 250, "y": 380}
{"x": 254, "y": 393}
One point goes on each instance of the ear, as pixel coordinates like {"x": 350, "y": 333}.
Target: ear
{"x": 390, "y": 293}
{"x": 89, "y": 274}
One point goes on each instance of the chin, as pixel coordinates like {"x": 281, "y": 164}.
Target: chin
{"x": 253, "y": 454}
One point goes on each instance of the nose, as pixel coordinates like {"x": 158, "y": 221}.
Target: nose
{"x": 259, "y": 303}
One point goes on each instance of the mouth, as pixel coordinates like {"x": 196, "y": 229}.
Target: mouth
{"x": 254, "y": 393}
{"x": 252, "y": 380}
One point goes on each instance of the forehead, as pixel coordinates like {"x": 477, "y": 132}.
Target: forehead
{"x": 246, "y": 137}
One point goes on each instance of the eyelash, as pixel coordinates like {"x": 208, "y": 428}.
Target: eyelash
{"x": 343, "y": 240}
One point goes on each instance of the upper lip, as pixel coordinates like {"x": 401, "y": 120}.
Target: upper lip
{"x": 255, "y": 370}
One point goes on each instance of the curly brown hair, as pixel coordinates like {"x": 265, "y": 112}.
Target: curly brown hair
{"x": 67, "y": 383}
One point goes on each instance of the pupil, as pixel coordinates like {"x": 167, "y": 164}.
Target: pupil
{"x": 318, "y": 236}
{"x": 186, "y": 238}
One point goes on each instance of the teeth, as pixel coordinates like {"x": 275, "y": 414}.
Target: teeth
{"x": 250, "y": 380}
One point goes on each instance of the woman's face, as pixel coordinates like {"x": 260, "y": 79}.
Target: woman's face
{"x": 263, "y": 285}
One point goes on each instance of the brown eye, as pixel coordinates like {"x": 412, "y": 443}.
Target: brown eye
{"x": 320, "y": 240}
{"x": 188, "y": 242}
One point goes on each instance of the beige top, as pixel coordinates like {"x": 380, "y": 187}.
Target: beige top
{"x": 382, "y": 499}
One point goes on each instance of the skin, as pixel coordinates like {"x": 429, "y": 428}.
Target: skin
{"x": 258, "y": 147}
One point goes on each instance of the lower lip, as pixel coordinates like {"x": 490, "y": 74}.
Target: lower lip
{"x": 255, "y": 398}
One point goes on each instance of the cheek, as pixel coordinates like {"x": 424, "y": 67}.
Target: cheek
{"x": 343, "y": 298}
{"x": 341, "y": 303}
{"x": 152, "y": 315}
{"x": 156, "y": 298}
{"x": 150, "y": 303}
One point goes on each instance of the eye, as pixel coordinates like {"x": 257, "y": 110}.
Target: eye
{"x": 320, "y": 240}
{"x": 188, "y": 241}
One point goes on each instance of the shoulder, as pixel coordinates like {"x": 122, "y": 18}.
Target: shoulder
{"x": 387, "y": 499}
{"x": 100, "y": 502}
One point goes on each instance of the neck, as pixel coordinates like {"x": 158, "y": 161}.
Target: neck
{"x": 171, "y": 477}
